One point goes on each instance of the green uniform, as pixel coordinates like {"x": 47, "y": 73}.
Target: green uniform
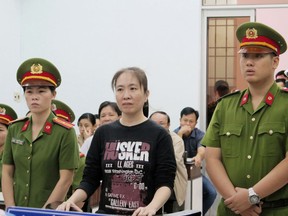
{"x": 252, "y": 142}
{"x": 1, "y": 156}
{"x": 79, "y": 173}
{"x": 37, "y": 163}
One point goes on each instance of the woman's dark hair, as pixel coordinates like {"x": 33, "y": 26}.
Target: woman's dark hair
{"x": 139, "y": 73}
{"x": 88, "y": 116}
{"x": 111, "y": 104}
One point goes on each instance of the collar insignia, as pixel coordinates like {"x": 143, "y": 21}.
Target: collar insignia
{"x": 48, "y": 128}
{"x": 25, "y": 126}
{"x": 36, "y": 69}
{"x": 244, "y": 99}
{"x": 251, "y": 33}
{"x": 269, "y": 98}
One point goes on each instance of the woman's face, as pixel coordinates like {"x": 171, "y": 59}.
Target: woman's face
{"x": 107, "y": 115}
{"x": 38, "y": 98}
{"x": 85, "y": 127}
{"x": 130, "y": 95}
{"x": 3, "y": 134}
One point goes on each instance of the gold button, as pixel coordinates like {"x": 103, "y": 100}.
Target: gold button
{"x": 253, "y": 119}
{"x": 31, "y": 145}
{"x": 228, "y": 133}
{"x": 29, "y": 158}
{"x": 27, "y": 171}
{"x": 25, "y": 197}
{"x": 249, "y": 157}
{"x": 251, "y": 137}
{"x": 27, "y": 185}
{"x": 248, "y": 176}
{"x": 270, "y": 132}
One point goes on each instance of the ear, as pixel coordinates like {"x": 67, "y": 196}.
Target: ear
{"x": 275, "y": 62}
{"x": 54, "y": 95}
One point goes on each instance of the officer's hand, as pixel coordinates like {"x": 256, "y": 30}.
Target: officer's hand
{"x": 252, "y": 211}
{"x": 239, "y": 202}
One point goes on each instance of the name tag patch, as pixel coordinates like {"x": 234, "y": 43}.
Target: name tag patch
{"x": 17, "y": 141}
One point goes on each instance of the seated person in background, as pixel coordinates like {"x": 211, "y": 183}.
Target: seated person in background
{"x": 221, "y": 88}
{"x": 180, "y": 183}
{"x": 192, "y": 137}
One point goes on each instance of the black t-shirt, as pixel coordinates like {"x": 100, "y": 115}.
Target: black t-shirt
{"x": 132, "y": 162}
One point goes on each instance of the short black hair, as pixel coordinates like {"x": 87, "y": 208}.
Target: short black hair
{"x": 188, "y": 111}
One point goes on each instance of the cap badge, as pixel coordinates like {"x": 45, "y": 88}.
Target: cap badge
{"x": 36, "y": 69}
{"x": 2, "y": 111}
{"x": 251, "y": 33}
{"x": 54, "y": 107}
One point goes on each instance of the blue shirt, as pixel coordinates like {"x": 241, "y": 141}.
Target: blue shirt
{"x": 192, "y": 142}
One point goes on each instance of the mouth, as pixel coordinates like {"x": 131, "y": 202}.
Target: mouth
{"x": 126, "y": 104}
{"x": 250, "y": 72}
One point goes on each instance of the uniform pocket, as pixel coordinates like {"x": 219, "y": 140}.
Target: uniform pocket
{"x": 230, "y": 139}
{"x": 272, "y": 138}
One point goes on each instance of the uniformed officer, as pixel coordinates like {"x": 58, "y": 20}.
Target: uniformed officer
{"x": 7, "y": 114}
{"x": 41, "y": 151}
{"x": 63, "y": 111}
{"x": 247, "y": 139}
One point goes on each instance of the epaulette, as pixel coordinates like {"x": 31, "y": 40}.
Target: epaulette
{"x": 19, "y": 120}
{"x": 228, "y": 95}
{"x": 63, "y": 123}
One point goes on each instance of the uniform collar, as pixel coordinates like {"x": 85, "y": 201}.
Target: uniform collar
{"x": 269, "y": 98}
{"x": 47, "y": 128}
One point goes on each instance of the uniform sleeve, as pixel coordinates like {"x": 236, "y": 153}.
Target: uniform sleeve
{"x": 7, "y": 154}
{"x": 69, "y": 152}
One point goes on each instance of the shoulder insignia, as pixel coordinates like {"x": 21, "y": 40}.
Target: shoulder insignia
{"x": 19, "y": 120}
{"x": 228, "y": 95}
{"x": 63, "y": 123}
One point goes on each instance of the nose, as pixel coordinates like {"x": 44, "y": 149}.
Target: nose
{"x": 126, "y": 94}
{"x": 35, "y": 97}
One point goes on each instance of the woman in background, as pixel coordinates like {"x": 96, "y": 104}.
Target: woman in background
{"x": 86, "y": 124}
{"x": 108, "y": 112}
